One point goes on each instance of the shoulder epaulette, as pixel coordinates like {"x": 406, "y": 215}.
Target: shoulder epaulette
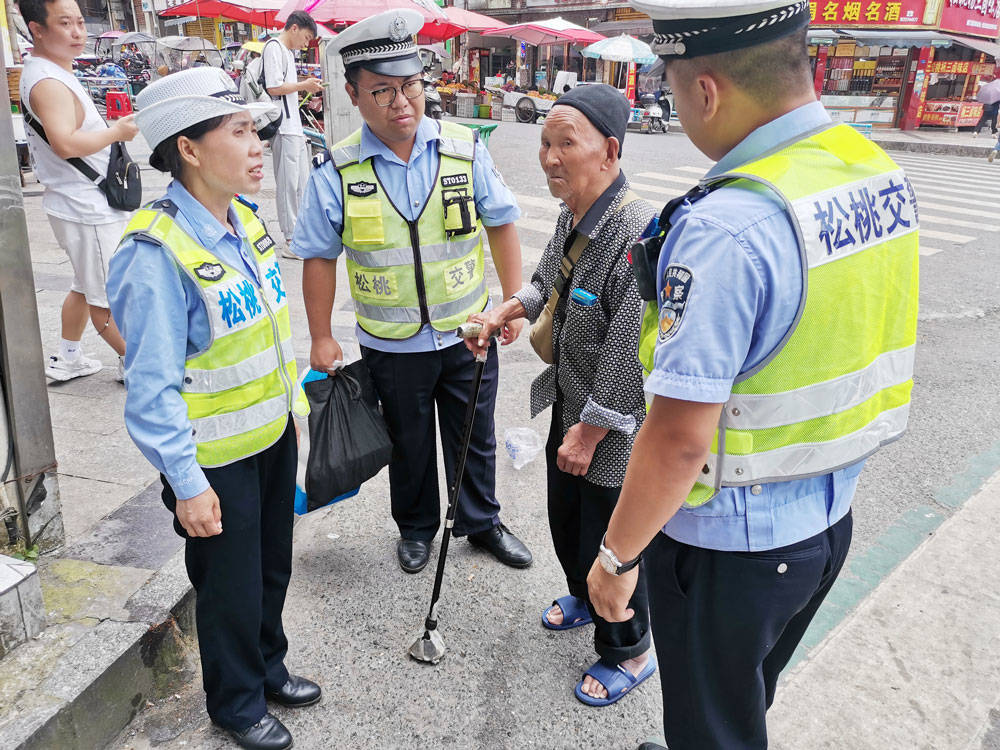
{"x": 321, "y": 158}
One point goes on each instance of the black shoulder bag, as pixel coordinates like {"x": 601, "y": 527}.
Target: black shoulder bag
{"x": 122, "y": 185}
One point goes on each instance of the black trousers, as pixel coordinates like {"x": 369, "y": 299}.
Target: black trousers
{"x": 725, "y": 624}
{"x": 240, "y": 578}
{"x": 409, "y": 386}
{"x": 990, "y": 112}
{"x": 579, "y": 512}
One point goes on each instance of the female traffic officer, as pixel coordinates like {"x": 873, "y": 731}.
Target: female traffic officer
{"x": 211, "y": 379}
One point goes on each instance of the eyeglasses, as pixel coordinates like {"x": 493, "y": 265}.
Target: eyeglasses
{"x": 384, "y": 97}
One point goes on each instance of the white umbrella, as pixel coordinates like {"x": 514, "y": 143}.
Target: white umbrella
{"x": 989, "y": 93}
{"x": 623, "y": 48}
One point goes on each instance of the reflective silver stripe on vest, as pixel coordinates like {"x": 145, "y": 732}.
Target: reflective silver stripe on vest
{"x": 412, "y": 314}
{"x": 404, "y": 256}
{"x": 344, "y": 155}
{"x": 457, "y": 149}
{"x": 760, "y": 411}
{"x": 246, "y": 371}
{"x": 804, "y": 460}
{"x": 235, "y": 423}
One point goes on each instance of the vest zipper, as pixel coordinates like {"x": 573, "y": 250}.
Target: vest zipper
{"x": 418, "y": 273}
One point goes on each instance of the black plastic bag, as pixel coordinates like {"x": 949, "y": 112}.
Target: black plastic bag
{"x": 349, "y": 442}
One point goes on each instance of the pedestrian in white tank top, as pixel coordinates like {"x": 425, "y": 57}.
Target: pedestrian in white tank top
{"x": 85, "y": 226}
{"x": 289, "y": 148}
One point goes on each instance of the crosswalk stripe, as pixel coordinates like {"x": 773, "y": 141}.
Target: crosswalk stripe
{"x": 695, "y": 170}
{"x": 958, "y": 239}
{"x": 538, "y": 202}
{"x": 537, "y": 225}
{"x": 665, "y": 178}
{"x": 936, "y": 206}
{"x": 919, "y": 161}
{"x": 964, "y": 200}
{"x": 966, "y": 193}
{"x": 947, "y": 220}
{"x": 929, "y": 173}
{"x": 925, "y": 251}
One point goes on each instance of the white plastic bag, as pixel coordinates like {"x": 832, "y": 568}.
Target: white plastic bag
{"x": 522, "y": 444}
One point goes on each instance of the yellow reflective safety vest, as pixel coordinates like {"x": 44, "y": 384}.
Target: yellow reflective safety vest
{"x": 404, "y": 274}
{"x": 838, "y": 387}
{"x": 240, "y": 389}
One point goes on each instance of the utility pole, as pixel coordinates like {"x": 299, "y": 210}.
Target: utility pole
{"x": 28, "y": 486}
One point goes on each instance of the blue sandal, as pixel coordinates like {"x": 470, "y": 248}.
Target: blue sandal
{"x": 575, "y": 613}
{"x": 618, "y": 681}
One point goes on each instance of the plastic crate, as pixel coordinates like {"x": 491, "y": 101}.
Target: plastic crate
{"x": 465, "y": 105}
{"x": 496, "y": 110}
{"x": 507, "y": 115}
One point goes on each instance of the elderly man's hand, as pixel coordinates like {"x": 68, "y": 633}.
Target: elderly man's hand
{"x": 577, "y": 449}
{"x": 491, "y": 320}
{"x": 511, "y": 330}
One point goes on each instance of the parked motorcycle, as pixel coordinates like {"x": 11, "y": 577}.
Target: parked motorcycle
{"x": 432, "y": 100}
{"x": 653, "y": 120}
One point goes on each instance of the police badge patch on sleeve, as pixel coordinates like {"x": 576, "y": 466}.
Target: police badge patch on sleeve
{"x": 209, "y": 271}
{"x": 361, "y": 189}
{"x": 674, "y": 291}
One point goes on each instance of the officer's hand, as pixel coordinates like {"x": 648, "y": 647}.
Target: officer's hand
{"x": 312, "y": 85}
{"x": 577, "y": 449}
{"x": 125, "y": 128}
{"x": 610, "y": 594}
{"x": 490, "y": 321}
{"x": 511, "y": 330}
{"x": 201, "y": 514}
{"x": 325, "y": 351}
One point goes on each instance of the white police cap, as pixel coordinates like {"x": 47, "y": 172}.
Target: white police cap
{"x": 382, "y": 43}
{"x": 690, "y": 28}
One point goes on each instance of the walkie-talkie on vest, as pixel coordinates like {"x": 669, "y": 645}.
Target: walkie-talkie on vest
{"x": 458, "y": 217}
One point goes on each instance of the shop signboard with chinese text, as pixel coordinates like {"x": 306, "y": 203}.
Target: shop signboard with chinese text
{"x": 961, "y": 67}
{"x": 976, "y": 17}
{"x": 911, "y": 14}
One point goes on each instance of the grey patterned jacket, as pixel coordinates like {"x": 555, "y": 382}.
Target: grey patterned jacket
{"x": 597, "y": 376}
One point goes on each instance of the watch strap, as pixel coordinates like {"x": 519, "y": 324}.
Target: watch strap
{"x": 623, "y": 567}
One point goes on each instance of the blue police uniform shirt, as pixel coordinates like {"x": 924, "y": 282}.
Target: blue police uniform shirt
{"x": 160, "y": 312}
{"x": 407, "y": 185}
{"x": 743, "y": 293}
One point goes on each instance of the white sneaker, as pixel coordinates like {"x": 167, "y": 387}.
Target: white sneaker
{"x": 120, "y": 371}
{"x": 286, "y": 252}
{"x": 62, "y": 369}
{"x": 991, "y": 156}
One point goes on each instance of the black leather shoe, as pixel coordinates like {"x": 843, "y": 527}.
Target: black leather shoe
{"x": 503, "y": 545}
{"x": 266, "y": 734}
{"x": 297, "y": 692}
{"x": 413, "y": 554}
{"x": 651, "y": 746}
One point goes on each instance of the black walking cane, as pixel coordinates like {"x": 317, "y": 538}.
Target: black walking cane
{"x": 429, "y": 647}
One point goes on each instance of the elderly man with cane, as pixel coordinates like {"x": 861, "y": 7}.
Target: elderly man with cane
{"x": 583, "y": 297}
{"x": 780, "y": 351}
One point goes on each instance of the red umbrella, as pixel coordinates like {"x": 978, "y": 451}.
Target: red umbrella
{"x": 258, "y": 12}
{"x": 549, "y": 31}
{"x": 437, "y": 26}
{"x": 471, "y": 21}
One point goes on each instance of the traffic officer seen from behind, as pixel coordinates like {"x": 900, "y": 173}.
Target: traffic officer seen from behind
{"x": 404, "y": 201}
{"x": 779, "y": 340}
{"x": 211, "y": 378}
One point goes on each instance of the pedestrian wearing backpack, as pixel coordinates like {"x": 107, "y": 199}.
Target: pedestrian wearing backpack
{"x": 288, "y": 147}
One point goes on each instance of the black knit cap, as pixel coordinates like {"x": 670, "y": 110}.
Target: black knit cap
{"x": 604, "y": 106}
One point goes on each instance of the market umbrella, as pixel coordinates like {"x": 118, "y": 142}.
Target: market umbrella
{"x": 623, "y": 48}
{"x": 471, "y": 21}
{"x": 437, "y": 26}
{"x": 113, "y": 34}
{"x": 550, "y": 31}
{"x": 989, "y": 93}
{"x": 135, "y": 37}
{"x": 257, "y": 12}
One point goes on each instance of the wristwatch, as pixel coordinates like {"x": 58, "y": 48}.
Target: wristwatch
{"x": 610, "y": 562}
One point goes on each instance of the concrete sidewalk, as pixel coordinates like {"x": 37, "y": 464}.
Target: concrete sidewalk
{"x": 936, "y": 141}
{"x": 917, "y": 665}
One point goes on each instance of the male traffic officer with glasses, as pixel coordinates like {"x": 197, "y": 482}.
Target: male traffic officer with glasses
{"x": 779, "y": 339}
{"x": 404, "y": 200}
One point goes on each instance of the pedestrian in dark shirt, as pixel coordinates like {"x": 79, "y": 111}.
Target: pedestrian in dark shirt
{"x": 594, "y": 383}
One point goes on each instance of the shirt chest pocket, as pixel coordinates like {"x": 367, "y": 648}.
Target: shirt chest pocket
{"x": 584, "y": 329}
{"x": 364, "y": 216}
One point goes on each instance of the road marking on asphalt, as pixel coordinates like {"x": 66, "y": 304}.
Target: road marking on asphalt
{"x": 925, "y": 251}
{"x": 958, "y": 239}
{"x": 665, "y": 178}
{"x": 947, "y": 220}
{"x": 538, "y": 202}
{"x": 965, "y": 193}
{"x": 930, "y": 173}
{"x": 937, "y": 205}
{"x": 695, "y": 170}
{"x": 537, "y": 225}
